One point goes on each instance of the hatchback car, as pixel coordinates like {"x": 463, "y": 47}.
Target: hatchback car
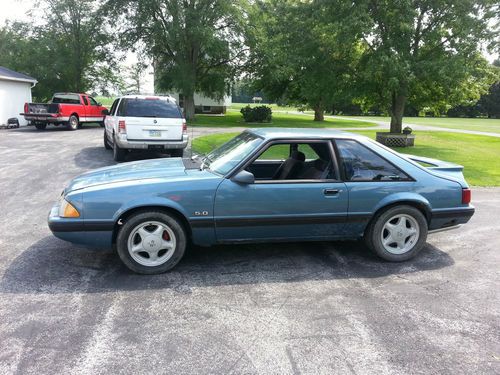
{"x": 264, "y": 185}
{"x": 137, "y": 122}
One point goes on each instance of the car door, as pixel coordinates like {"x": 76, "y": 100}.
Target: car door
{"x": 290, "y": 208}
{"x": 95, "y": 110}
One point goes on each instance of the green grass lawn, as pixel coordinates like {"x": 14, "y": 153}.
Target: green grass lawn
{"x": 477, "y": 124}
{"x": 478, "y": 154}
{"x": 234, "y": 118}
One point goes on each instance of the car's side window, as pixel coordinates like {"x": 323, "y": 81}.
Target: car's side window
{"x": 85, "y": 100}
{"x": 285, "y": 161}
{"x": 113, "y": 107}
{"x": 359, "y": 163}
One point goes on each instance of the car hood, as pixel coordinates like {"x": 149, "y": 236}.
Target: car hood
{"x": 139, "y": 170}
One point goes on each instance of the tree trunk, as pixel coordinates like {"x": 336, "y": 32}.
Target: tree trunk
{"x": 319, "y": 113}
{"x": 189, "y": 107}
{"x": 397, "y": 110}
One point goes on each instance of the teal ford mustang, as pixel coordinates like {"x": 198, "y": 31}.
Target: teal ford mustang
{"x": 264, "y": 185}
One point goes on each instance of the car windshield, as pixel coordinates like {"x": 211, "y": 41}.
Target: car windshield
{"x": 226, "y": 157}
{"x": 148, "y": 108}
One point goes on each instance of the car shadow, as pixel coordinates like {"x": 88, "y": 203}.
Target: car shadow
{"x": 54, "y": 128}
{"x": 95, "y": 157}
{"x": 54, "y": 266}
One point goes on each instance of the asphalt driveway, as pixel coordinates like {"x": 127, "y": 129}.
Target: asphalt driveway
{"x": 298, "y": 308}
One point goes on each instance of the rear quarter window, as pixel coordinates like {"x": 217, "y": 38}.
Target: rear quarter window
{"x": 148, "y": 108}
{"x": 66, "y": 99}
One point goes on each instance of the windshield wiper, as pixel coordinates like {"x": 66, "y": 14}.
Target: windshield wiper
{"x": 204, "y": 163}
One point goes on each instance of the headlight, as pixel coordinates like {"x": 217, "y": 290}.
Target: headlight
{"x": 67, "y": 210}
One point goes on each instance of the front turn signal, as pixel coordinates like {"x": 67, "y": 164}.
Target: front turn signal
{"x": 67, "y": 210}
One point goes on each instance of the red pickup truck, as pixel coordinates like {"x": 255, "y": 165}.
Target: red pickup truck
{"x": 68, "y": 109}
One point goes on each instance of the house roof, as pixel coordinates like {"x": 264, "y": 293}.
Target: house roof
{"x": 11, "y": 75}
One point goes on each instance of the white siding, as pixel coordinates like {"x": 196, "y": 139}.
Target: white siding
{"x": 203, "y": 100}
{"x": 13, "y": 95}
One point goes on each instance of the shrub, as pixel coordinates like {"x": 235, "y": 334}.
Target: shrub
{"x": 261, "y": 113}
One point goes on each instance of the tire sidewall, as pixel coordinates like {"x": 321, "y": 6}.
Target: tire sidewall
{"x": 374, "y": 233}
{"x": 71, "y": 127}
{"x": 131, "y": 223}
{"x": 118, "y": 153}
{"x": 106, "y": 142}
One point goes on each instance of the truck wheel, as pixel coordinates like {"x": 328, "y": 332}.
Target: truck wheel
{"x": 41, "y": 126}
{"x": 397, "y": 234}
{"x": 151, "y": 242}
{"x": 73, "y": 122}
{"x": 118, "y": 153}
{"x": 106, "y": 142}
{"x": 176, "y": 153}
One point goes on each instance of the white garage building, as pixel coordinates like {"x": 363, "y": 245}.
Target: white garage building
{"x": 15, "y": 90}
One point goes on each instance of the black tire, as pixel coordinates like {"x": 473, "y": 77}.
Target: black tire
{"x": 101, "y": 124}
{"x": 118, "y": 153}
{"x": 130, "y": 226}
{"x": 73, "y": 123}
{"x": 176, "y": 153}
{"x": 106, "y": 142}
{"x": 376, "y": 231}
{"x": 41, "y": 126}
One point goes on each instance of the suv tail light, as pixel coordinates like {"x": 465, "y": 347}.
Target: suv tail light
{"x": 466, "y": 196}
{"x": 25, "y": 107}
{"x": 184, "y": 127}
{"x": 122, "y": 128}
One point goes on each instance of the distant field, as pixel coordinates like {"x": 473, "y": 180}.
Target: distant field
{"x": 234, "y": 118}
{"x": 478, "y": 154}
{"x": 477, "y": 124}
{"x": 105, "y": 101}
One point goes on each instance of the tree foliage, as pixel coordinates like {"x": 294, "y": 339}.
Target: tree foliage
{"x": 195, "y": 44}
{"x": 69, "y": 50}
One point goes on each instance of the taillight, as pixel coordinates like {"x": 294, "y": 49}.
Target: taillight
{"x": 25, "y": 107}
{"x": 466, "y": 196}
{"x": 184, "y": 127}
{"x": 122, "y": 129}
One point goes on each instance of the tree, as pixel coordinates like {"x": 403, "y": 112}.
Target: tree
{"x": 425, "y": 52}
{"x": 305, "y": 52}
{"x": 195, "y": 44}
{"x": 67, "y": 51}
{"x": 135, "y": 76}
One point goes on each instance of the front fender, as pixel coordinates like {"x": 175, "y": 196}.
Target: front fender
{"x": 148, "y": 202}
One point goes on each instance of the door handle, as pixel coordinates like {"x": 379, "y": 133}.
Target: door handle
{"x": 331, "y": 191}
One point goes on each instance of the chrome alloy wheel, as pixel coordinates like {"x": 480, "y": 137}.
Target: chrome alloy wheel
{"x": 400, "y": 234}
{"x": 151, "y": 243}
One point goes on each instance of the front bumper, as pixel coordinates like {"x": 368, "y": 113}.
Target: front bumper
{"x": 123, "y": 142}
{"x": 76, "y": 230}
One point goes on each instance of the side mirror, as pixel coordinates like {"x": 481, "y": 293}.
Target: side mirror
{"x": 105, "y": 112}
{"x": 243, "y": 177}
{"x": 99, "y": 104}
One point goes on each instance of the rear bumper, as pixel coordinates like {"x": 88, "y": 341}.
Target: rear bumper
{"x": 444, "y": 219}
{"x": 122, "y": 142}
{"x": 44, "y": 118}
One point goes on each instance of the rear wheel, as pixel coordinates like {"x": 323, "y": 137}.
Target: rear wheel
{"x": 73, "y": 122}
{"x": 41, "y": 126}
{"x": 118, "y": 153}
{"x": 397, "y": 234}
{"x": 106, "y": 142}
{"x": 151, "y": 242}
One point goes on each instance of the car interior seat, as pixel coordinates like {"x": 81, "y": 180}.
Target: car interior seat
{"x": 290, "y": 167}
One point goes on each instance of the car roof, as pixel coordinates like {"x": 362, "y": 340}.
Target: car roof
{"x": 323, "y": 133}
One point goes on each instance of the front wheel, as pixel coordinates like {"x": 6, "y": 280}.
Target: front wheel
{"x": 73, "y": 122}
{"x": 151, "y": 242}
{"x": 397, "y": 234}
{"x": 106, "y": 142}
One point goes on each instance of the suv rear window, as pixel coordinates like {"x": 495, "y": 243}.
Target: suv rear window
{"x": 66, "y": 99}
{"x": 148, "y": 108}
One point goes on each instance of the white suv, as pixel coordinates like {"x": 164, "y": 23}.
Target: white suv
{"x": 145, "y": 123}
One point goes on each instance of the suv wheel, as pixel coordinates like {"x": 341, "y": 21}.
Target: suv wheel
{"x": 40, "y": 126}
{"x": 118, "y": 153}
{"x": 106, "y": 142}
{"x": 73, "y": 122}
{"x": 397, "y": 234}
{"x": 151, "y": 242}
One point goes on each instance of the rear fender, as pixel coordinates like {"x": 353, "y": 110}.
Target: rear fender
{"x": 402, "y": 198}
